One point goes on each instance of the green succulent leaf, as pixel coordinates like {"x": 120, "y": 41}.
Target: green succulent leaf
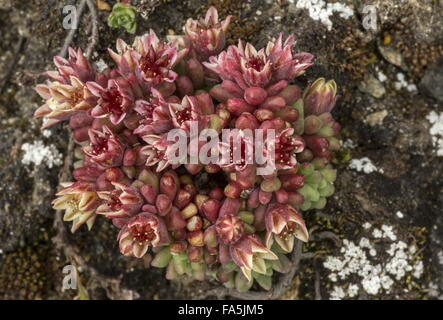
{"x": 299, "y": 125}
{"x": 123, "y": 16}
{"x": 241, "y": 283}
{"x": 162, "y": 258}
{"x": 264, "y": 281}
{"x": 306, "y": 205}
{"x": 229, "y": 266}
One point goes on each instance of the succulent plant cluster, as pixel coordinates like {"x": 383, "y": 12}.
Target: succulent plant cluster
{"x": 226, "y": 220}
{"x": 123, "y": 15}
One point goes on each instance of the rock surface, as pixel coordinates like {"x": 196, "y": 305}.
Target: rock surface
{"x": 404, "y": 192}
{"x": 432, "y": 82}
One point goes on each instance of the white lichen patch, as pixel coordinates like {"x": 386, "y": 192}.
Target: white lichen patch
{"x": 376, "y": 271}
{"x": 436, "y": 131}
{"x": 440, "y": 257}
{"x": 381, "y": 76}
{"x": 47, "y": 133}
{"x": 321, "y": 11}
{"x": 37, "y": 153}
{"x": 401, "y": 83}
{"x": 337, "y": 293}
{"x": 364, "y": 165}
{"x": 101, "y": 65}
{"x": 348, "y": 144}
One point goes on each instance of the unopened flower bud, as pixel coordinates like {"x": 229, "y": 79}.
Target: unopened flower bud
{"x": 210, "y": 259}
{"x": 295, "y": 199}
{"x": 237, "y": 106}
{"x": 220, "y": 94}
{"x": 193, "y": 168}
{"x": 191, "y": 189}
{"x": 274, "y": 103}
{"x": 320, "y": 97}
{"x": 270, "y": 185}
{"x": 276, "y": 88}
{"x": 113, "y": 174}
{"x": 312, "y": 124}
{"x": 102, "y": 183}
{"x": 318, "y": 145}
{"x": 246, "y": 216}
{"x": 305, "y": 155}
{"x": 255, "y": 95}
{"x": 184, "y": 86}
{"x": 149, "y": 192}
{"x": 279, "y": 123}
{"x": 163, "y": 204}
{"x": 233, "y": 190}
{"x": 185, "y": 179}
{"x": 263, "y": 114}
{"x": 288, "y": 114}
{"x": 194, "y": 223}
{"x": 178, "y": 247}
{"x": 264, "y": 197}
{"x": 253, "y": 201}
{"x": 210, "y": 237}
{"x": 233, "y": 88}
{"x": 195, "y": 254}
{"x": 205, "y": 103}
{"x": 180, "y": 235}
{"x": 199, "y": 200}
{"x": 130, "y": 171}
{"x": 292, "y": 182}
{"x": 189, "y": 211}
{"x": 148, "y": 177}
{"x": 281, "y": 196}
{"x": 87, "y": 174}
{"x": 216, "y": 193}
{"x": 169, "y": 184}
{"x": 259, "y": 218}
{"x": 291, "y": 94}
{"x": 182, "y": 199}
{"x": 80, "y": 120}
{"x": 247, "y": 121}
{"x": 195, "y": 238}
{"x": 195, "y": 71}
{"x": 81, "y": 134}
{"x": 229, "y": 206}
{"x": 129, "y": 157}
{"x": 210, "y": 209}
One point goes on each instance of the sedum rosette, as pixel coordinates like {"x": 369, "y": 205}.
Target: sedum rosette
{"x": 233, "y": 220}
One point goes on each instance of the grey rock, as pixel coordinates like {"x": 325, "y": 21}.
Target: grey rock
{"x": 424, "y": 17}
{"x": 432, "y": 82}
{"x": 373, "y": 86}
{"x": 428, "y": 21}
{"x": 5, "y": 4}
{"x": 392, "y": 56}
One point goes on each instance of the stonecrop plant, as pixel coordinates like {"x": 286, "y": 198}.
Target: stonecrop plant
{"x": 227, "y": 219}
